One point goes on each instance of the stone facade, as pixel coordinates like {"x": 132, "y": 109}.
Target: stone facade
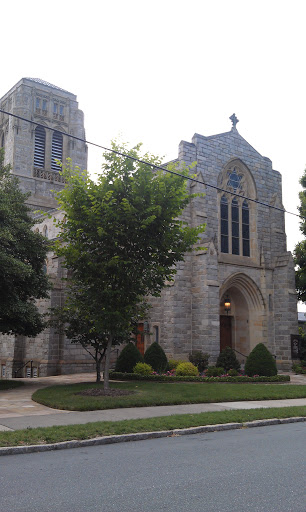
{"x": 31, "y": 151}
{"x": 242, "y": 254}
{"x": 250, "y": 266}
{"x": 32, "y": 157}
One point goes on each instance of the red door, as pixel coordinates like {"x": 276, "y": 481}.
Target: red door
{"x": 140, "y": 339}
{"x": 225, "y": 332}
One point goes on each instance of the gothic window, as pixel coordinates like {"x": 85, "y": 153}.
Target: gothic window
{"x": 57, "y": 151}
{"x": 245, "y": 229}
{"x": 2, "y": 140}
{"x": 37, "y": 106}
{"x": 44, "y": 107}
{"x": 224, "y": 224}
{"x": 235, "y": 226}
{"x": 234, "y": 180}
{"x": 39, "y": 147}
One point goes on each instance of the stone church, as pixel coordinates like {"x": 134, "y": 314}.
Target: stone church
{"x": 237, "y": 290}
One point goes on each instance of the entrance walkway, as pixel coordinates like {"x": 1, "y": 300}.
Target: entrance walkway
{"x": 18, "y": 411}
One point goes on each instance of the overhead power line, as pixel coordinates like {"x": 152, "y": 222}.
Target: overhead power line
{"x": 283, "y": 210}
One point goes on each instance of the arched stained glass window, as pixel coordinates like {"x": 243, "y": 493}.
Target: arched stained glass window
{"x": 245, "y": 229}
{"x": 235, "y": 226}
{"x": 39, "y": 147}
{"x": 224, "y": 224}
{"x": 57, "y": 150}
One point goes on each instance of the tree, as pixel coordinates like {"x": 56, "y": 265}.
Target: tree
{"x": 122, "y": 237}
{"x": 22, "y": 257}
{"x": 300, "y": 248}
{"x": 76, "y": 319}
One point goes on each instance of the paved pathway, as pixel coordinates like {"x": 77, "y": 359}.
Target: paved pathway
{"x": 18, "y": 411}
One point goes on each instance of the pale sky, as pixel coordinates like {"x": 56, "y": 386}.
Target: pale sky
{"x": 159, "y": 71}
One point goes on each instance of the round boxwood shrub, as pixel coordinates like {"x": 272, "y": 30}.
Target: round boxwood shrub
{"x": 173, "y": 363}
{"x": 227, "y": 359}
{"x": 143, "y": 369}
{"x": 214, "y": 371}
{"x": 186, "y": 369}
{"x": 128, "y": 358}
{"x": 260, "y": 362}
{"x": 156, "y": 357}
{"x": 199, "y": 359}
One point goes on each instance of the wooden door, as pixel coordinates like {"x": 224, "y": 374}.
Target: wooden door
{"x": 225, "y": 332}
{"x": 140, "y": 339}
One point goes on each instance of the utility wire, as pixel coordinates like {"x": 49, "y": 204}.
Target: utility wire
{"x": 154, "y": 166}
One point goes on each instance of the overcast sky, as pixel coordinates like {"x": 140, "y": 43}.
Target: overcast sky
{"x": 159, "y": 71}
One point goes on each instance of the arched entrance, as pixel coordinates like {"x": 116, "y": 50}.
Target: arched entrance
{"x": 244, "y": 325}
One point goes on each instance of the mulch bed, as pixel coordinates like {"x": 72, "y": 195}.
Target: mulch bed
{"x": 101, "y": 392}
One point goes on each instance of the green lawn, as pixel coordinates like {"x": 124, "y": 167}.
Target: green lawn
{"x": 9, "y": 384}
{"x": 107, "y": 428}
{"x": 150, "y": 394}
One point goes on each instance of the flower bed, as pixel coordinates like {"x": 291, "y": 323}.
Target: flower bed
{"x": 168, "y": 377}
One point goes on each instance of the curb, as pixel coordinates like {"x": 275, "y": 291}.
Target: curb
{"x": 16, "y": 450}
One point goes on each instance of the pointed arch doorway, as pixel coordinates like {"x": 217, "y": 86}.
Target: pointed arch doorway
{"x": 243, "y": 326}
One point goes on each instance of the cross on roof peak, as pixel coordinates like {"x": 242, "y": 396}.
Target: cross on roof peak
{"x": 234, "y": 120}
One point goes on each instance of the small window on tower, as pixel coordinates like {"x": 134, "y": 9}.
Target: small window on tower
{"x": 37, "y": 108}
{"x": 44, "y": 107}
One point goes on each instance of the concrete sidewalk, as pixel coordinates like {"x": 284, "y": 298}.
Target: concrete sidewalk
{"x": 18, "y": 411}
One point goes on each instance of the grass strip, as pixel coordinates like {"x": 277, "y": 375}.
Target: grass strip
{"x": 47, "y": 435}
{"x": 145, "y": 394}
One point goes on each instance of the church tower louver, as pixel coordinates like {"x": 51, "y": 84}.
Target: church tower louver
{"x": 33, "y": 150}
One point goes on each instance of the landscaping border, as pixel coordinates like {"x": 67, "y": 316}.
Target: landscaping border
{"x": 173, "y": 378}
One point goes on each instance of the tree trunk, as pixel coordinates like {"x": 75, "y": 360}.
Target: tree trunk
{"x": 107, "y": 361}
{"x": 98, "y": 369}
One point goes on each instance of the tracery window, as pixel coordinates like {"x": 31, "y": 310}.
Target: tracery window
{"x": 224, "y": 224}
{"x": 245, "y": 229}
{"x": 235, "y": 211}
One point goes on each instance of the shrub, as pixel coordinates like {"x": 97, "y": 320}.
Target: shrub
{"x": 187, "y": 378}
{"x": 142, "y": 369}
{"x": 173, "y": 363}
{"x": 156, "y": 357}
{"x": 297, "y": 368}
{"x": 128, "y": 358}
{"x": 228, "y": 360}
{"x": 186, "y": 369}
{"x": 214, "y": 371}
{"x": 232, "y": 372}
{"x": 260, "y": 362}
{"x": 199, "y": 359}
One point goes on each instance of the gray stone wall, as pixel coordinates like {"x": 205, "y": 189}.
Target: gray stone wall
{"x": 189, "y": 311}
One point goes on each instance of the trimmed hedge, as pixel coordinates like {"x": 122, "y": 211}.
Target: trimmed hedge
{"x": 227, "y": 359}
{"x": 166, "y": 378}
{"x": 186, "y": 369}
{"x": 156, "y": 357}
{"x": 142, "y": 369}
{"x": 260, "y": 362}
{"x": 128, "y": 358}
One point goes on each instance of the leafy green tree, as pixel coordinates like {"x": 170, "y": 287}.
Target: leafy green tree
{"x": 22, "y": 256}
{"x": 76, "y": 320}
{"x": 122, "y": 237}
{"x": 300, "y": 248}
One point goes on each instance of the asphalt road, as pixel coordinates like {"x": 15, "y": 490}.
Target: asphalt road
{"x": 257, "y": 470}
